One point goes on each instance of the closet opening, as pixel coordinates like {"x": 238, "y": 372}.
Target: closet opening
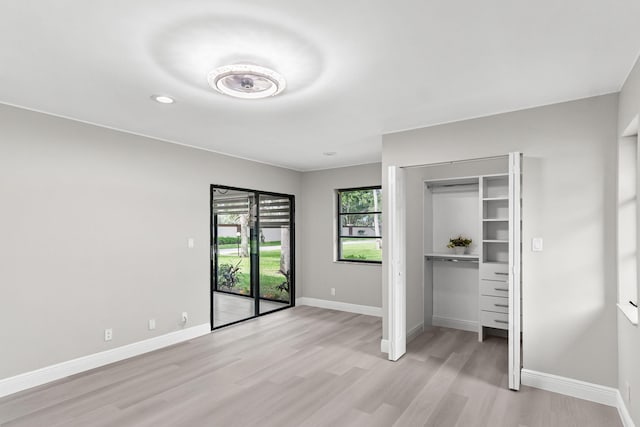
{"x": 455, "y": 255}
{"x": 252, "y": 254}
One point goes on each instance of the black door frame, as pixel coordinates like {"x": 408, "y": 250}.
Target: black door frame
{"x": 254, "y": 255}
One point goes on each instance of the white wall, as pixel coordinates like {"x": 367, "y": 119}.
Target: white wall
{"x": 569, "y": 198}
{"x": 354, "y": 283}
{"x": 94, "y": 234}
{"x": 628, "y": 334}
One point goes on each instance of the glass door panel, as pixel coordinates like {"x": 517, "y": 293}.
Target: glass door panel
{"x": 275, "y": 252}
{"x": 233, "y": 296}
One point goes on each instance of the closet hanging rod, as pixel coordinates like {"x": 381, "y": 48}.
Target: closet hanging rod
{"x": 452, "y": 185}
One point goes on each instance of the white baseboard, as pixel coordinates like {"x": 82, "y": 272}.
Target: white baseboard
{"x": 447, "y": 322}
{"x": 340, "y": 306}
{"x": 581, "y": 389}
{"x": 570, "y": 387}
{"x": 414, "y": 332}
{"x": 61, "y": 370}
{"x": 625, "y": 416}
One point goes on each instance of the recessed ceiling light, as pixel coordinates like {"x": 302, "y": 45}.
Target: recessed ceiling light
{"x": 163, "y": 99}
{"x": 329, "y": 153}
{"x": 246, "y": 81}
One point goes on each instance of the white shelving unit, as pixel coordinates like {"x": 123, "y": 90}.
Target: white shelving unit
{"x": 493, "y": 286}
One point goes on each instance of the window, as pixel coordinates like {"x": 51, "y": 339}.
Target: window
{"x": 627, "y": 227}
{"x": 359, "y": 236}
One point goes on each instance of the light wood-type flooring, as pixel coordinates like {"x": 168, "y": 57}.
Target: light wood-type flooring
{"x": 229, "y": 308}
{"x": 304, "y": 367}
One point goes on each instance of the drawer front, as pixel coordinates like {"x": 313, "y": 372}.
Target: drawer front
{"x": 497, "y": 304}
{"x": 494, "y": 320}
{"x": 499, "y": 272}
{"x": 494, "y": 288}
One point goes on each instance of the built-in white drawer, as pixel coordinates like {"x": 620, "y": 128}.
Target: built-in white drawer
{"x": 497, "y": 304}
{"x": 494, "y": 320}
{"x": 494, "y": 271}
{"x": 494, "y": 288}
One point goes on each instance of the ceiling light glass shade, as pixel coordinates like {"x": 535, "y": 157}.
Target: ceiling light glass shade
{"x": 246, "y": 81}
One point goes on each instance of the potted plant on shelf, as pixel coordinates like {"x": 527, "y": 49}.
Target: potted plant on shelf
{"x": 459, "y": 244}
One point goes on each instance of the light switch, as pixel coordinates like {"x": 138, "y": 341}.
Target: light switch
{"x": 190, "y": 242}
{"x": 536, "y": 244}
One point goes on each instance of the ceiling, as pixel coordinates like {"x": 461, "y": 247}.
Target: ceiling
{"x": 355, "y": 69}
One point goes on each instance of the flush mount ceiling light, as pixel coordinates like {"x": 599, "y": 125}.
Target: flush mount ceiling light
{"x": 163, "y": 99}
{"x": 246, "y": 81}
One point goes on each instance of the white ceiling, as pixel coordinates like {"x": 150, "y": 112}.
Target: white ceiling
{"x": 355, "y": 69}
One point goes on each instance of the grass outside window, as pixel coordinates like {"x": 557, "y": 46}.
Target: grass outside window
{"x": 270, "y": 275}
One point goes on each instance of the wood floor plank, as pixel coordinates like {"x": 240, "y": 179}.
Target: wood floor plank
{"x": 427, "y": 400}
{"x": 448, "y": 411}
{"x": 306, "y": 367}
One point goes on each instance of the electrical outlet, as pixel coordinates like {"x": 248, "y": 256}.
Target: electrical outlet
{"x": 190, "y": 242}
{"x": 108, "y": 334}
{"x": 185, "y": 317}
{"x": 152, "y": 324}
{"x": 333, "y": 292}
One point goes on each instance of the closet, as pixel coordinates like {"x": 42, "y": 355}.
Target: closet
{"x": 478, "y": 290}
{"x": 467, "y": 291}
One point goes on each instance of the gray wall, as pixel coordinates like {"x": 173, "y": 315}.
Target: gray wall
{"x": 94, "y": 234}
{"x": 354, "y": 283}
{"x": 569, "y": 197}
{"x": 628, "y": 334}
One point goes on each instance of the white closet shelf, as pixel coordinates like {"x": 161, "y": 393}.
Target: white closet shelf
{"x": 451, "y": 255}
{"x": 495, "y": 220}
{"x": 489, "y": 199}
{"x": 495, "y": 241}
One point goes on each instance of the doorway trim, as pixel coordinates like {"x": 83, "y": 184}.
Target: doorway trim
{"x": 397, "y": 289}
{"x": 396, "y": 284}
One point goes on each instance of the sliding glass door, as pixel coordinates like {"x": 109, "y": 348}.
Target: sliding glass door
{"x": 252, "y": 269}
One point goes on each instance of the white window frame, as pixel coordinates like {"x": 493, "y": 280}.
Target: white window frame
{"x": 337, "y": 253}
{"x": 627, "y": 222}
